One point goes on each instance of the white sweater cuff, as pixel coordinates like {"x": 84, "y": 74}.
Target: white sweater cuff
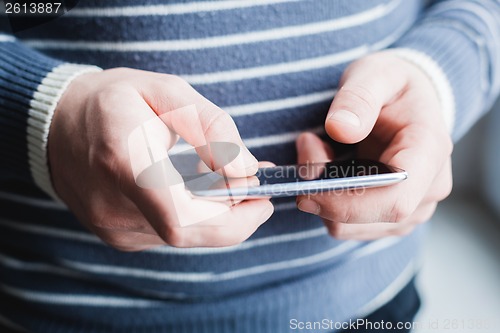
{"x": 438, "y": 78}
{"x": 42, "y": 108}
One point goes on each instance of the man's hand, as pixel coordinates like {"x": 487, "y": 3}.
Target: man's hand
{"x": 91, "y": 167}
{"x": 391, "y": 108}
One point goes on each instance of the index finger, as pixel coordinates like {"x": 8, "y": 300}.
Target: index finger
{"x": 200, "y": 123}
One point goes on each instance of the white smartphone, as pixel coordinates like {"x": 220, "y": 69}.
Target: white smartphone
{"x": 298, "y": 179}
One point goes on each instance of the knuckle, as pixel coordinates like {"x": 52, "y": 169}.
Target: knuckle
{"x": 174, "y": 86}
{"x": 447, "y": 144}
{"x": 111, "y": 95}
{"x": 167, "y": 90}
{"x": 174, "y": 80}
{"x": 115, "y": 240}
{"x": 336, "y": 230}
{"x": 447, "y": 188}
{"x": 96, "y": 218}
{"x": 428, "y": 214}
{"x": 107, "y": 156}
{"x": 173, "y": 237}
{"x": 446, "y": 191}
{"x": 216, "y": 122}
{"x": 107, "y": 164}
{"x": 234, "y": 240}
{"x": 360, "y": 94}
{"x": 399, "y": 211}
{"x": 443, "y": 188}
{"x": 243, "y": 236}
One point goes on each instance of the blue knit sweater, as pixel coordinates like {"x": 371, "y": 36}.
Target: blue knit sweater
{"x": 274, "y": 66}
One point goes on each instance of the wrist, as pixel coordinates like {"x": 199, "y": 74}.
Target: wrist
{"x": 43, "y": 106}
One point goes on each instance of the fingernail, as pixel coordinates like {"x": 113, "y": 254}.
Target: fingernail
{"x": 345, "y": 117}
{"x": 308, "y": 206}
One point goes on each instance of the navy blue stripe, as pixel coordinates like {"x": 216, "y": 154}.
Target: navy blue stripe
{"x": 297, "y": 291}
{"x": 207, "y": 263}
{"x": 33, "y": 63}
{"x": 202, "y": 25}
{"x": 21, "y": 212}
{"x": 231, "y": 57}
{"x": 22, "y": 70}
{"x": 239, "y": 56}
{"x": 285, "y": 153}
{"x": 54, "y": 244}
{"x": 12, "y": 107}
{"x": 50, "y": 281}
{"x": 282, "y": 121}
{"x": 272, "y": 87}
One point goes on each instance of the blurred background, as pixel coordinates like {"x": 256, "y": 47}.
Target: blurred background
{"x": 460, "y": 276}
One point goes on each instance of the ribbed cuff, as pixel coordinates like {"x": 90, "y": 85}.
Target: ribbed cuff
{"x": 40, "y": 114}
{"x": 438, "y": 78}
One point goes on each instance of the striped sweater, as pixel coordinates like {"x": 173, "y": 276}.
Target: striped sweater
{"x": 273, "y": 65}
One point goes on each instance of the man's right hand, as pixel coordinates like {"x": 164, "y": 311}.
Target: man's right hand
{"x": 91, "y": 167}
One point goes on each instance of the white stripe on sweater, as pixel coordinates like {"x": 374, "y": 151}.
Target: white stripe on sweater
{"x": 294, "y": 66}
{"x": 282, "y": 138}
{"x": 95, "y": 300}
{"x": 221, "y": 41}
{"x": 374, "y": 247}
{"x": 475, "y": 8}
{"x": 170, "y": 9}
{"x": 167, "y": 250}
{"x": 280, "y": 104}
{"x": 6, "y": 38}
{"x": 75, "y": 300}
{"x": 493, "y": 27}
{"x": 392, "y": 290}
{"x": 210, "y": 277}
{"x": 37, "y": 267}
{"x": 46, "y": 268}
{"x": 50, "y": 231}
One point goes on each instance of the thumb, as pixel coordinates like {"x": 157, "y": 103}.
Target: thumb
{"x": 206, "y": 127}
{"x": 365, "y": 88}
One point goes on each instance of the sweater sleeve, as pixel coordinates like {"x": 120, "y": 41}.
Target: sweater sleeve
{"x": 31, "y": 84}
{"x": 457, "y": 43}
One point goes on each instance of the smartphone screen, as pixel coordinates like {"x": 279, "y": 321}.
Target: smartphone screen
{"x": 298, "y": 179}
